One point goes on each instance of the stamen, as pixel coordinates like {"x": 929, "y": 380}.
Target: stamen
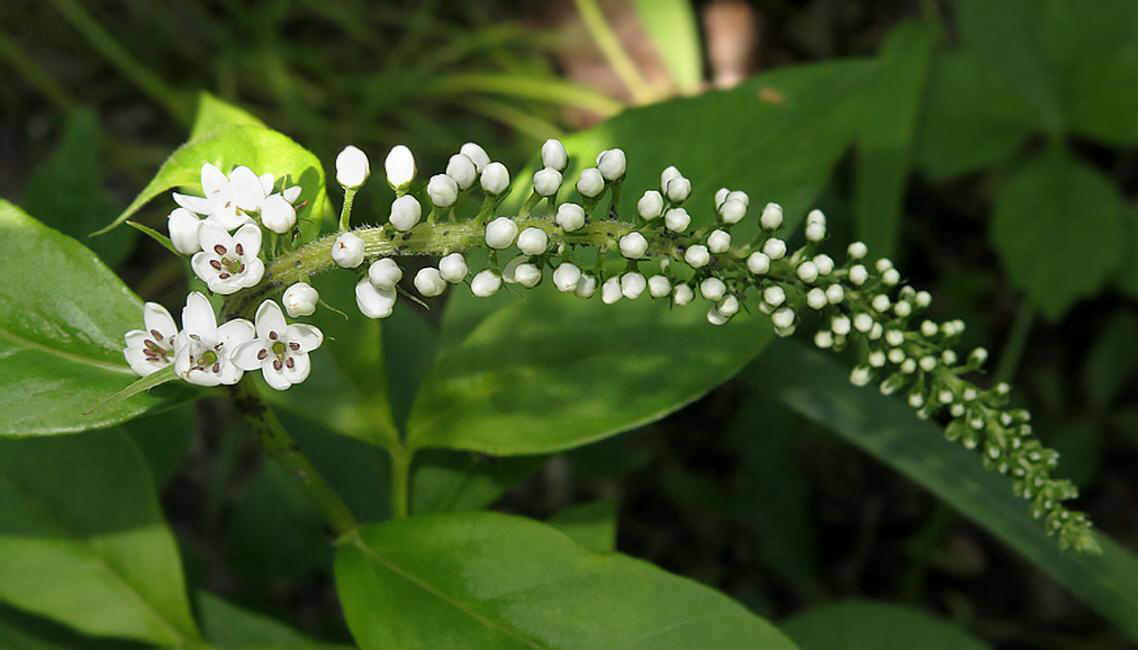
{"x": 216, "y": 367}
{"x": 156, "y": 334}
{"x": 219, "y": 249}
{"x": 215, "y": 264}
{"x": 240, "y": 250}
{"x": 290, "y": 363}
{"x": 224, "y": 275}
{"x": 262, "y": 354}
{"x": 277, "y": 364}
{"x": 273, "y": 335}
{"x": 293, "y": 345}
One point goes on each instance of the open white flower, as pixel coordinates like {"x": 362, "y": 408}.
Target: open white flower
{"x": 227, "y": 200}
{"x": 280, "y": 350}
{"x": 204, "y": 350}
{"x": 152, "y": 349}
{"x": 227, "y": 263}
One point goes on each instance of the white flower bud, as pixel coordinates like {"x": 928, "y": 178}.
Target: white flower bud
{"x": 728, "y": 306}
{"x": 546, "y": 181}
{"x": 816, "y": 298}
{"x": 903, "y": 309}
{"x": 732, "y": 212}
{"x": 771, "y": 218}
{"x": 835, "y": 294}
{"x": 923, "y": 299}
{"x": 183, "y": 226}
{"x": 650, "y": 206}
{"x": 815, "y": 216}
{"x": 443, "y": 190}
{"x": 300, "y": 299}
{"x": 824, "y": 339}
{"x": 527, "y": 275}
{"x": 500, "y": 233}
{"x": 453, "y": 268}
{"x": 678, "y": 189}
{"x": 633, "y": 245}
{"x": 715, "y": 317}
{"x": 876, "y": 359}
{"x": 566, "y": 276}
{"x": 929, "y": 328}
{"x": 721, "y": 197}
{"x": 876, "y": 331}
{"x": 352, "y": 168}
{"x": 815, "y": 232}
{"x": 533, "y": 241}
{"x": 882, "y": 265}
{"x": 860, "y": 376}
{"x": 774, "y": 248}
{"x": 667, "y": 175}
{"x": 890, "y": 277}
{"x": 880, "y": 303}
{"x": 825, "y": 264}
{"x": 384, "y": 273}
{"x": 948, "y": 357}
{"x": 894, "y": 337}
{"x": 677, "y": 219}
{"x": 908, "y": 366}
{"x": 659, "y": 286}
{"x": 682, "y": 294}
{"x": 461, "y": 169}
{"x": 348, "y": 250}
{"x": 783, "y": 318}
{"x": 405, "y": 213}
{"x": 945, "y": 397}
{"x": 719, "y": 241}
{"x": 758, "y": 263}
{"x": 632, "y": 284}
{"x": 485, "y": 283}
{"x": 970, "y": 394}
{"x": 610, "y": 291}
{"x": 373, "y": 302}
{"x": 697, "y": 256}
{"x": 863, "y": 322}
{"x": 739, "y": 196}
{"x": 553, "y": 155}
{"x": 807, "y": 272}
{"x": 978, "y": 356}
{"x": 586, "y": 286}
{"x": 591, "y": 183}
{"x": 400, "y": 167}
{"x": 896, "y": 355}
{"x": 611, "y": 164}
{"x": 927, "y": 363}
{"x": 570, "y": 217}
{"x": 858, "y": 275}
{"x": 495, "y": 179}
{"x": 840, "y": 325}
{"x": 774, "y": 296}
{"x": 712, "y": 289}
{"x": 857, "y": 250}
{"x": 476, "y": 154}
{"x": 916, "y": 400}
{"x": 277, "y": 214}
{"x": 430, "y": 282}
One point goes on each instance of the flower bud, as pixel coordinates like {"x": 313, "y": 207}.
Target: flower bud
{"x": 824, "y": 339}
{"x": 527, "y": 275}
{"x": 697, "y": 256}
{"x": 553, "y": 155}
{"x": 566, "y": 276}
{"x": 840, "y": 325}
{"x": 570, "y": 217}
{"x": 816, "y": 298}
{"x": 807, "y": 272}
{"x": 476, "y": 154}
{"x": 611, "y": 164}
{"x": 677, "y": 219}
{"x": 880, "y": 303}
{"x": 758, "y": 263}
{"x": 774, "y": 248}
{"x": 633, "y": 245}
{"x": 348, "y": 250}
{"x": 586, "y": 286}
{"x": 774, "y": 296}
{"x": 732, "y": 212}
{"x": 659, "y": 286}
{"x": 443, "y": 190}
{"x": 352, "y": 168}
{"x": 453, "y": 268}
{"x": 721, "y": 197}
{"x": 715, "y": 317}
{"x": 547, "y": 181}
{"x": 291, "y": 194}
{"x": 485, "y": 283}
{"x": 300, "y": 299}
{"x": 857, "y": 250}
{"x": 591, "y": 183}
{"x": 405, "y": 213}
{"x": 650, "y": 206}
{"x": 858, "y": 275}
{"x": 533, "y": 241}
{"x": 682, "y": 294}
{"x": 678, "y": 189}
{"x": 835, "y": 294}
{"x": 712, "y": 289}
{"x": 824, "y": 264}
{"x": 183, "y": 226}
{"x": 610, "y": 291}
{"x": 739, "y": 196}
{"x": 500, "y": 233}
{"x": 771, "y": 218}
{"x": 373, "y": 302}
{"x": 400, "y": 167}
{"x": 783, "y": 318}
{"x": 923, "y": 299}
{"x": 277, "y": 214}
{"x": 430, "y": 282}
{"x": 461, "y": 169}
{"x": 891, "y": 277}
{"x": 815, "y": 232}
{"x": 495, "y": 178}
{"x": 863, "y": 322}
{"x": 719, "y": 241}
{"x": 632, "y": 284}
{"x": 728, "y": 306}
{"x": 384, "y": 273}
{"x": 667, "y": 175}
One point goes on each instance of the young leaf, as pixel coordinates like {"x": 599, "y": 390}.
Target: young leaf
{"x": 864, "y": 625}
{"x": 592, "y": 524}
{"x": 153, "y": 234}
{"x": 215, "y": 114}
{"x": 497, "y": 581}
{"x": 105, "y": 563}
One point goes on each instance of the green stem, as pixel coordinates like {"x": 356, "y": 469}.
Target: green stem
{"x": 283, "y": 449}
{"x": 1017, "y": 341}
{"x": 401, "y": 457}
{"x": 612, "y": 50}
{"x": 346, "y": 210}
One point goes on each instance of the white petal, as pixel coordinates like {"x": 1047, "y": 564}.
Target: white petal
{"x": 198, "y": 318}
{"x": 245, "y": 355}
{"x": 270, "y": 321}
{"x": 291, "y": 194}
{"x": 195, "y": 204}
{"x": 246, "y": 189}
{"x": 213, "y": 237}
{"x": 254, "y": 270}
{"x": 184, "y": 226}
{"x": 266, "y": 181}
{"x": 135, "y": 357}
{"x": 224, "y": 287}
{"x": 249, "y": 236}
{"x": 182, "y": 357}
{"x": 202, "y": 378}
{"x": 300, "y": 368}
{"x": 227, "y": 218}
{"x": 273, "y": 377}
{"x": 234, "y": 333}
{"x": 230, "y": 374}
{"x": 372, "y": 302}
{"x": 213, "y": 180}
{"x": 200, "y": 264}
{"x": 308, "y": 336}
{"x": 159, "y": 320}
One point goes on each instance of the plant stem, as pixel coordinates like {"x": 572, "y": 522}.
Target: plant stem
{"x": 612, "y": 50}
{"x": 346, "y": 210}
{"x": 401, "y": 457}
{"x": 281, "y": 446}
{"x": 1017, "y": 341}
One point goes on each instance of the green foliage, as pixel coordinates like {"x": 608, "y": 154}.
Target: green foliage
{"x": 592, "y": 524}
{"x": 674, "y": 30}
{"x": 857, "y": 625}
{"x": 227, "y": 626}
{"x": 494, "y": 581}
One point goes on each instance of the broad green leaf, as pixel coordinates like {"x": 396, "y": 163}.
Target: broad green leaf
{"x": 450, "y": 481}
{"x": 885, "y": 146}
{"x": 1058, "y": 229}
{"x": 864, "y": 625}
{"x": 216, "y": 114}
{"x": 818, "y": 388}
{"x": 262, "y": 150}
{"x": 227, "y": 626}
{"x": 63, "y": 315}
{"x": 674, "y": 30}
{"x": 22, "y": 631}
{"x": 487, "y": 580}
{"x": 65, "y": 191}
{"x": 82, "y": 539}
{"x": 1110, "y": 361}
{"x": 592, "y": 524}
{"x": 1126, "y": 279}
{"x": 164, "y": 439}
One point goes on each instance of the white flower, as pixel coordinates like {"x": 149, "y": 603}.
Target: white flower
{"x": 719, "y": 241}
{"x": 807, "y": 272}
{"x": 443, "y": 190}
{"x": 894, "y": 337}
{"x": 485, "y": 283}
{"x": 881, "y": 303}
{"x": 678, "y": 189}
{"x": 374, "y": 302}
{"x": 546, "y": 181}
{"x": 204, "y": 350}
{"x": 670, "y": 172}
{"x": 632, "y": 285}
{"x": 659, "y": 286}
{"x": 677, "y": 219}
{"x": 816, "y": 298}
{"x": 697, "y": 256}
{"x": 495, "y": 178}
{"x": 771, "y": 218}
{"x": 405, "y": 213}
{"x": 857, "y": 250}
{"x": 758, "y": 263}
{"x": 353, "y": 168}
{"x": 399, "y": 167}
{"x": 280, "y": 350}
{"x": 183, "y": 227}
{"x": 882, "y": 265}
{"x": 227, "y": 263}
{"x": 461, "y": 169}
{"x": 712, "y": 289}
{"x": 384, "y": 273}
{"x": 348, "y": 250}
{"x": 715, "y": 317}
{"x": 533, "y": 241}
{"x": 774, "y": 296}
{"x": 570, "y": 217}
{"x": 728, "y": 306}
{"x": 650, "y": 206}
{"x": 566, "y": 276}
{"x": 586, "y": 286}
{"x": 430, "y": 282}
{"x": 226, "y": 199}
{"x": 291, "y": 194}
{"x": 860, "y": 376}
{"x": 476, "y": 154}
{"x": 453, "y": 268}
{"x": 682, "y": 294}
{"x": 277, "y": 214}
{"x": 611, "y": 164}
{"x": 500, "y": 233}
{"x": 732, "y": 212}
{"x": 553, "y": 155}
{"x": 774, "y": 248}
{"x": 300, "y": 299}
{"x": 721, "y": 197}
{"x": 633, "y": 245}
{"x": 591, "y": 183}
{"x": 929, "y": 328}
{"x": 903, "y": 309}
{"x": 863, "y": 322}
{"x": 152, "y": 349}
{"x": 610, "y": 291}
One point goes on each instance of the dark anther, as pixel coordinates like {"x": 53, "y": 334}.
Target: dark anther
{"x": 241, "y": 269}
{"x": 215, "y": 264}
{"x": 224, "y": 276}
{"x": 240, "y": 249}
{"x": 290, "y": 363}
{"x": 216, "y": 367}
{"x": 294, "y": 346}
{"x": 156, "y": 334}
{"x": 273, "y": 335}
{"x": 262, "y": 354}
{"x": 219, "y": 249}
{"x": 277, "y": 364}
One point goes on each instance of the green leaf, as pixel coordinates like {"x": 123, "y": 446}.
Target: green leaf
{"x": 229, "y": 626}
{"x": 1058, "y": 229}
{"x": 215, "y": 114}
{"x": 82, "y": 539}
{"x": 864, "y": 625}
{"x": 818, "y": 388}
{"x": 164, "y": 439}
{"x": 1111, "y": 362}
{"x": 140, "y": 385}
{"x": 1127, "y": 277}
{"x": 65, "y": 191}
{"x": 21, "y": 631}
{"x": 674, "y": 31}
{"x": 448, "y": 481}
{"x": 592, "y": 524}
{"x": 886, "y": 142}
{"x": 63, "y": 315}
{"x": 163, "y": 240}
{"x": 261, "y": 149}
{"x": 496, "y": 581}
